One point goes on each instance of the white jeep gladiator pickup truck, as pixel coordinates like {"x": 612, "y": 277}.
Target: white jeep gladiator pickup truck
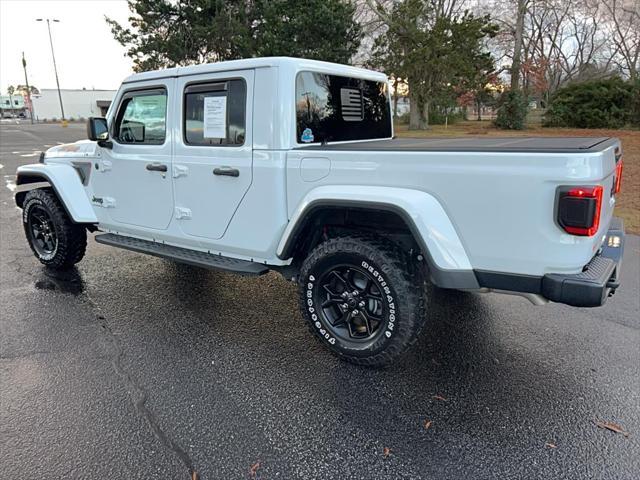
{"x": 291, "y": 165}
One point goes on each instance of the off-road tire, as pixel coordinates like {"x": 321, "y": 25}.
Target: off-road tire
{"x": 71, "y": 238}
{"x": 399, "y": 282}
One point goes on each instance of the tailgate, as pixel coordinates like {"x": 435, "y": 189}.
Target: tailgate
{"x": 612, "y": 167}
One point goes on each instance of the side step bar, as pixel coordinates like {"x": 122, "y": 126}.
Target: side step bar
{"x": 183, "y": 255}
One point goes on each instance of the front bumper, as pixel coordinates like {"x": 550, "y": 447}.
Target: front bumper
{"x": 598, "y": 279}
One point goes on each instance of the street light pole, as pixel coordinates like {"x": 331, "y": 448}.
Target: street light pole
{"x": 55, "y": 68}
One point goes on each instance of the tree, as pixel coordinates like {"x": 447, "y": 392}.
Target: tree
{"x": 561, "y": 41}
{"x": 393, "y": 48}
{"x": 512, "y": 110}
{"x": 624, "y": 24}
{"x": 435, "y": 46}
{"x": 387, "y": 57}
{"x": 167, "y": 33}
{"x": 314, "y": 29}
{"x": 517, "y": 44}
{"x": 479, "y": 90}
{"x": 164, "y": 33}
{"x": 512, "y": 105}
{"x": 22, "y": 90}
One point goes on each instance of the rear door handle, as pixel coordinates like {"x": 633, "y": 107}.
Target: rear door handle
{"x": 156, "y": 167}
{"x": 227, "y": 171}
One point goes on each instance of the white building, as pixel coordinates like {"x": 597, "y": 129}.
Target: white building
{"x": 403, "y": 105}
{"x": 77, "y": 103}
{"x": 11, "y": 105}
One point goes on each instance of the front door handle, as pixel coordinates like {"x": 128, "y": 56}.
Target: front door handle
{"x": 156, "y": 167}
{"x": 228, "y": 171}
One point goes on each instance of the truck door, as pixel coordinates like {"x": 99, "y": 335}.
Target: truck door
{"x": 213, "y": 150}
{"x": 133, "y": 179}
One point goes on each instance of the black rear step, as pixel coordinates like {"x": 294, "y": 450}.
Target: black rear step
{"x": 598, "y": 280}
{"x": 183, "y": 255}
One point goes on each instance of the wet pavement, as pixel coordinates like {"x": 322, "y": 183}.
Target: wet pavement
{"x": 134, "y": 367}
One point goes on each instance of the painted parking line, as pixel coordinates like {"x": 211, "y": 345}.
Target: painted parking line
{"x": 10, "y": 182}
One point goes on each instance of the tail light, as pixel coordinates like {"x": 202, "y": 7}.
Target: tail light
{"x": 618, "y": 177}
{"x": 579, "y": 209}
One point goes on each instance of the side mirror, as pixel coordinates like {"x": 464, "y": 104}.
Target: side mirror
{"x": 97, "y": 129}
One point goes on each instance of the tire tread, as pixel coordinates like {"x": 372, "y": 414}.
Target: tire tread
{"x": 72, "y": 237}
{"x": 407, "y": 281}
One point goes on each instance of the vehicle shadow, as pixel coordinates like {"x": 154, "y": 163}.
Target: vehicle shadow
{"x": 66, "y": 281}
{"x": 462, "y": 351}
{"x": 468, "y": 378}
{"x": 473, "y": 374}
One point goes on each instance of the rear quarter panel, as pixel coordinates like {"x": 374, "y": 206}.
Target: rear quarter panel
{"x": 501, "y": 204}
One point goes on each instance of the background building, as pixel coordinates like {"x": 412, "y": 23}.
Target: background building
{"x": 77, "y": 103}
{"x": 11, "y": 105}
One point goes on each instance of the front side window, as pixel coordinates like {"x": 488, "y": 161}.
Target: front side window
{"x": 214, "y": 113}
{"x": 142, "y": 118}
{"x": 336, "y": 108}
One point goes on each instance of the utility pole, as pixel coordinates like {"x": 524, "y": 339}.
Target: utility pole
{"x": 55, "y": 68}
{"x": 26, "y": 82}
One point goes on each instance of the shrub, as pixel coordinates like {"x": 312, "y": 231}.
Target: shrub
{"x": 605, "y": 103}
{"x": 512, "y": 110}
{"x": 635, "y": 104}
{"x": 438, "y": 116}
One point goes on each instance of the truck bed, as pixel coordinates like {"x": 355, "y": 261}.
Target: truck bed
{"x": 477, "y": 144}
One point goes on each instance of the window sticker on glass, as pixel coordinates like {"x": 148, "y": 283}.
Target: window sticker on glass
{"x": 307, "y": 135}
{"x": 215, "y": 117}
{"x": 352, "y": 105}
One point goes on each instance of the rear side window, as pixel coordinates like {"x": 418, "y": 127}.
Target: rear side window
{"x": 214, "y": 113}
{"x": 142, "y": 117}
{"x": 336, "y": 108}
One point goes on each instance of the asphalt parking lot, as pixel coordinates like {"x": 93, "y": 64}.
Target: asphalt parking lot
{"x": 134, "y": 367}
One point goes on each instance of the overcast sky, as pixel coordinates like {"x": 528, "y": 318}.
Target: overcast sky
{"x": 86, "y": 53}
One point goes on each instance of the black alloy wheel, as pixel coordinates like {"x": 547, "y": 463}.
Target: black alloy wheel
{"x": 42, "y": 232}
{"x": 351, "y": 303}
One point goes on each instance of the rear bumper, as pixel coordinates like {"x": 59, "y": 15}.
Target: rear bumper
{"x": 598, "y": 279}
{"x": 589, "y": 288}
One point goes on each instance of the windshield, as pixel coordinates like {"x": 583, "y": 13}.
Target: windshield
{"x": 333, "y": 108}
